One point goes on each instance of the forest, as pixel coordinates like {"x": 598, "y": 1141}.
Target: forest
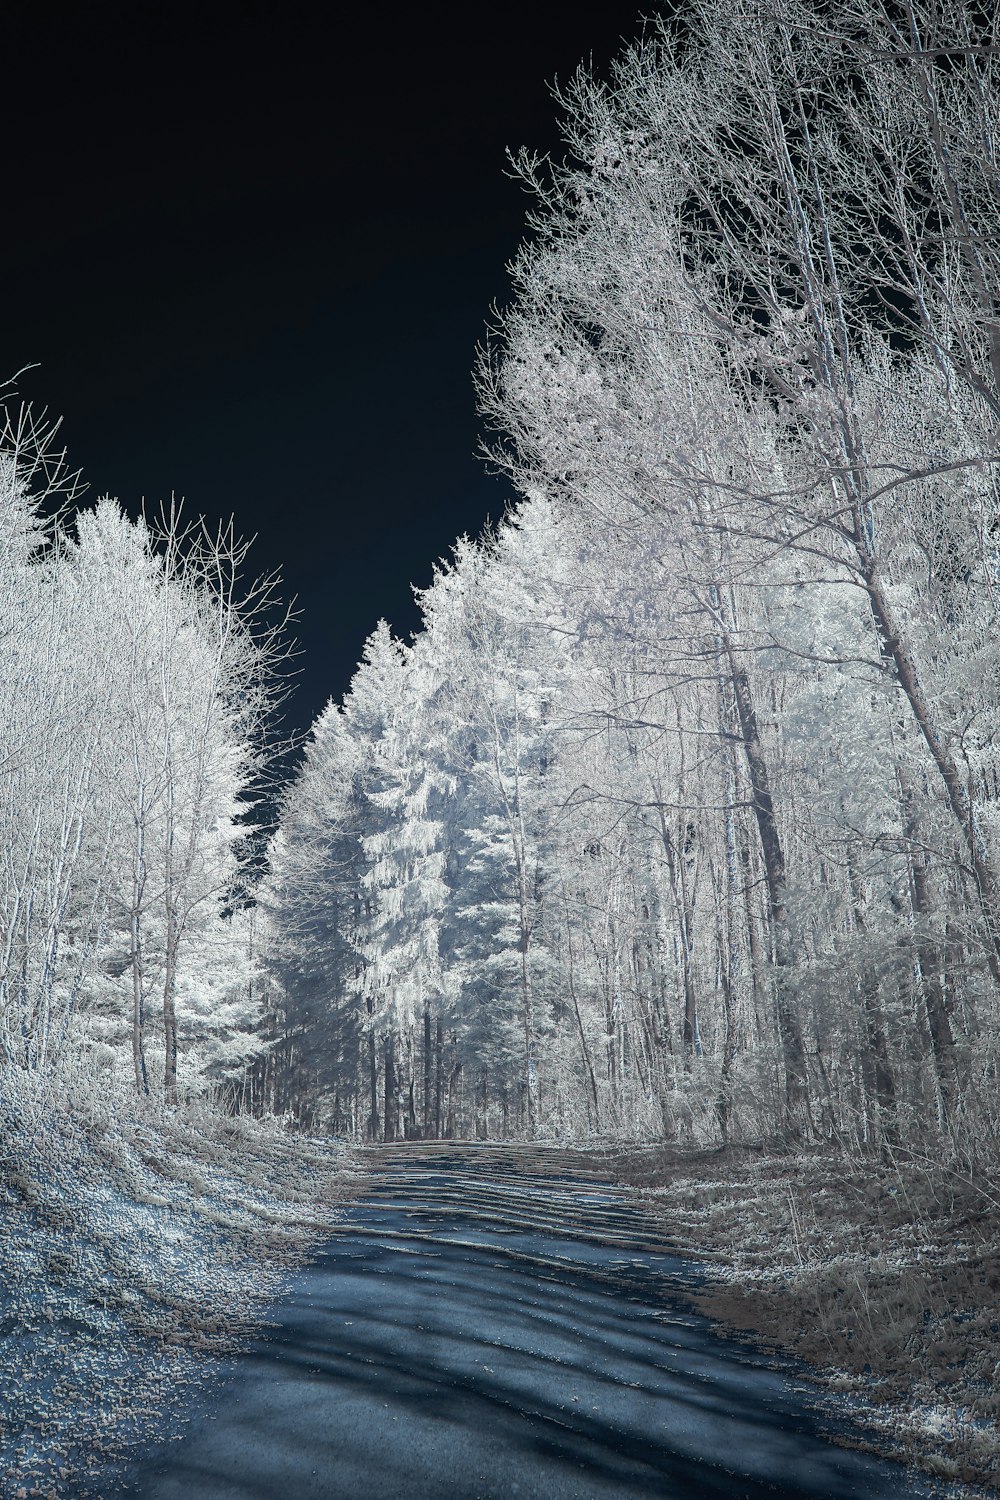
{"x": 678, "y": 819}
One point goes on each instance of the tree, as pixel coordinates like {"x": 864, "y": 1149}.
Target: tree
{"x": 702, "y": 333}
{"x": 688, "y": 818}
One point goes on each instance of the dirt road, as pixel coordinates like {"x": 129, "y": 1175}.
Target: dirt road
{"x": 493, "y": 1323}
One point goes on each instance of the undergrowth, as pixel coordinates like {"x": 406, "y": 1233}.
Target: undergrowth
{"x": 137, "y": 1246}
{"x": 884, "y": 1277}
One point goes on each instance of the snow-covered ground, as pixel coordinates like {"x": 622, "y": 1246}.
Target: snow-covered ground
{"x": 133, "y": 1253}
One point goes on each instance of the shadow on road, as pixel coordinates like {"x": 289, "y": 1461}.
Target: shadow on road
{"x": 477, "y": 1331}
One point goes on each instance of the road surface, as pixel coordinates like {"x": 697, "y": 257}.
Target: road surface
{"x": 490, "y": 1324}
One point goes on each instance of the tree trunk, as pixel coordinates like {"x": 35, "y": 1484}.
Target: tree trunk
{"x": 427, "y": 1069}
{"x": 138, "y": 1009}
{"x": 878, "y": 1050}
{"x": 373, "y": 1085}
{"x": 389, "y": 1129}
{"x": 454, "y": 1083}
{"x": 170, "y": 1011}
{"x": 681, "y": 884}
{"x": 413, "y": 1132}
{"x": 724, "y": 1097}
{"x": 529, "y": 1060}
{"x": 928, "y": 961}
{"x": 935, "y": 997}
{"x": 584, "y": 1049}
{"x": 903, "y": 668}
{"x": 482, "y": 1122}
{"x": 796, "y": 1110}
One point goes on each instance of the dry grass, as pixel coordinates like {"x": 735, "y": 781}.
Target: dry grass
{"x": 135, "y": 1251}
{"x": 886, "y": 1279}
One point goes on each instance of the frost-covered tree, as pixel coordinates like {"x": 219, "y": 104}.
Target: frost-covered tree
{"x": 312, "y": 901}
{"x": 180, "y": 716}
{"x": 689, "y": 822}
{"x": 136, "y": 681}
{"x": 701, "y": 333}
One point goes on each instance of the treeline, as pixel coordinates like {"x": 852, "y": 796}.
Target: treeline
{"x": 136, "y": 680}
{"x": 680, "y": 816}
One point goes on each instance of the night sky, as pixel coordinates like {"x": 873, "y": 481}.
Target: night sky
{"x": 251, "y": 253}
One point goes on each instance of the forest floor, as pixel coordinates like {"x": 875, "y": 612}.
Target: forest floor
{"x": 885, "y": 1279}
{"x": 134, "y": 1253}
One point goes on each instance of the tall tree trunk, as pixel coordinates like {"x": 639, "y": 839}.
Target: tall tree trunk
{"x": 439, "y": 1079}
{"x": 389, "y": 1086}
{"x": 373, "y": 1131}
{"x": 878, "y": 1049}
{"x": 934, "y": 994}
{"x": 529, "y": 1058}
{"x": 584, "y": 1049}
{"x": 427, "y": 1069}
{"x": 454, "y": 1085}
{"x": 138, "y": 1007}
{"x": 796, "y": 1110}
{"x": 411, "y": 1084}
{"x": 170, "y": 1010}
{"x": 724, "y": 1096}
{"x": 896, "y": 655}
{"x": 928, "y": 960}
{"x": 680, "y": 883}
{"x": 483, "y": 1113}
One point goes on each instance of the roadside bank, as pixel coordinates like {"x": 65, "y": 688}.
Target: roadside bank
{"x": 135, "y": 1251}
{"x": 884, "y": 1278}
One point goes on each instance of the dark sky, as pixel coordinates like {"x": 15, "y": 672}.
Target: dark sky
{"x": 251, "y": 252}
